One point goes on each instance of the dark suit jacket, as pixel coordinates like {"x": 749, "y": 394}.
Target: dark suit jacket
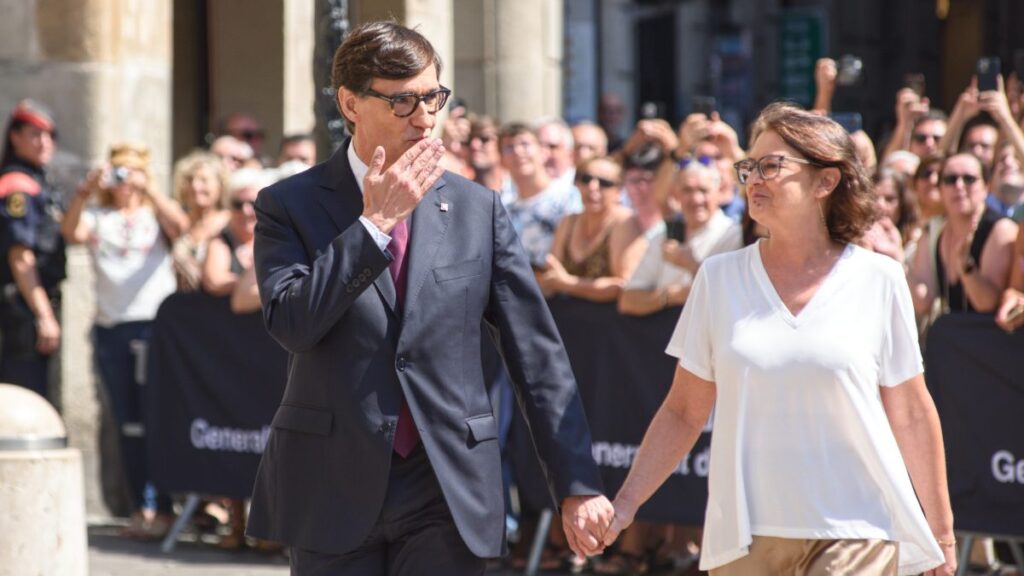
{"x": 328, "y": 299}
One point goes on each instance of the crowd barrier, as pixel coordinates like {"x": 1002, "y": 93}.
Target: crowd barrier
{"x": 975, "y": 373}
{"x": 215, "y": 380}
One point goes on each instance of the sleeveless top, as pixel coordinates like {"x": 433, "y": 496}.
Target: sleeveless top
{"x": 228, "y": 238}
{"x": 956, "y": 298}
{"x": 596, "y": 264}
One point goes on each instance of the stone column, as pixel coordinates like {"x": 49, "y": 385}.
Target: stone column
{"x": 104, "y": 66}
{"x": 299, "y": 37}
{"x": 527, "y": 80}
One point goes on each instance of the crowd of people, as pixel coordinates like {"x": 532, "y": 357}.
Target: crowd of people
{"x": 603, "y": 216}
{"x": 144, "y": 244}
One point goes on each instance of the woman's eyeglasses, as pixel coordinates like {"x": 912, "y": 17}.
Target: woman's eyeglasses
{"x": 768, "y": 166}
{"x": 403, "y": 105}
{"x": 952, "y": 179}
{"x": 237, "y": 204}
{"x": 586, "y": 179}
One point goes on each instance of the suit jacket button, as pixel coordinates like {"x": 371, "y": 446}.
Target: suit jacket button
{"x": 401, "y": 364}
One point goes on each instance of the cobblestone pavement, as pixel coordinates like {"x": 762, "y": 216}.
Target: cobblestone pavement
{"x": 112, "y": 555}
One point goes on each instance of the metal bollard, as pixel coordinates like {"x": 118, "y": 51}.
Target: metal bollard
{"x": 42, "y": 501}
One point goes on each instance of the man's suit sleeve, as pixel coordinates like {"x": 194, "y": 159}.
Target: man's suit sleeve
{"x": 541, "y": 375}
{"x": 303, "y": 300}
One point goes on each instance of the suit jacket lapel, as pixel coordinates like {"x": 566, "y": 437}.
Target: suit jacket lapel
{"x": 429, "y": 225}
{"x": 340, "y": 197}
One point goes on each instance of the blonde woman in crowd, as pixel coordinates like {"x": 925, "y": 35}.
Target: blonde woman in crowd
{"x": 128, "y": 234}
{"x": 199, "y": 182}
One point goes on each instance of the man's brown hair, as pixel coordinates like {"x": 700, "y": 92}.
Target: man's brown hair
{"x": 383, "y": 49}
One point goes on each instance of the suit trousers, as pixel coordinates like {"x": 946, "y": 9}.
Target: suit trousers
{"x": 770, "y": 556}
{"x": 415, "y": 533}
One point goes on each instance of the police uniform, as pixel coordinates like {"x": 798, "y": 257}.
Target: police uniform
{"x": 29, "y": 217}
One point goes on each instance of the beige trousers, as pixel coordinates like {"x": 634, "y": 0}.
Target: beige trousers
{"x": 770, "y": 556}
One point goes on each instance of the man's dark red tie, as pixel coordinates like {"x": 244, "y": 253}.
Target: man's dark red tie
{"x": 406, "y": 435}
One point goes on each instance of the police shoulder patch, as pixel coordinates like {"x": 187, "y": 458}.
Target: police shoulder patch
{"x": 15, "y": 182}
{"x": 17, "y": 205}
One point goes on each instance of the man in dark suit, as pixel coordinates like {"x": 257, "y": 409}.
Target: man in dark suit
{"x": 376, "y": 270}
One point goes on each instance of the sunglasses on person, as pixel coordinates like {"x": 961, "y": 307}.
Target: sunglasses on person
{"x": 703, "y": 160}
{"x": 952, "y": 179}
{"x": 238, "y": 204}
{"x": 404, "y": 104}
{"x": 768, "y": 167}
{"x": 922, "y": 137}
{"x": 586, "y": 179}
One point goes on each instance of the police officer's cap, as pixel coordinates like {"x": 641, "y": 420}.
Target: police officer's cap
{"x": 35, "y": 113}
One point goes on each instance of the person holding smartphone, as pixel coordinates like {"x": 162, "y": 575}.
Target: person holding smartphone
{"x": 665, "y": 273}
{"x": 128, "y": 231}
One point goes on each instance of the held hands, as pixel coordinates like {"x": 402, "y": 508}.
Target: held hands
{"x": 586, "y": 520}
{"x": 389, "y": 196}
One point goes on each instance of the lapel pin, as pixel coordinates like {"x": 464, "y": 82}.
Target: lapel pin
{"x": 444, "y": 206}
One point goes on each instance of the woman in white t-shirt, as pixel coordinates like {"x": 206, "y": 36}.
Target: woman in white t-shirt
{"x": 805, "y": 345}
{"x": 128, "y": 233}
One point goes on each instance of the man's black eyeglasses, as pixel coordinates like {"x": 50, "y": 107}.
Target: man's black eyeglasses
{"x": 403, "y": 105}
{"x": 586, "y": 179}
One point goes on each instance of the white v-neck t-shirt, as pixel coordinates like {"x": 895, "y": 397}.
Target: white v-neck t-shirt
{"x": 801, "y": 446}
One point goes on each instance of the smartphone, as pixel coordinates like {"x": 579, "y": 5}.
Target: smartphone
{"x": 850, "y": 121}
{"x": 675, "y": 229}
{"x": 848, "y": 70}
{"x": 988, "y": 70}
{"x": 702, "y": 105}
{"x": 652, "y": 110}
{"x": 1014, "y": 312}
{"x": 915, "y": 82}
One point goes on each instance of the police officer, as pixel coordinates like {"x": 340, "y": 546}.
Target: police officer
{"x": 32, "y": 250}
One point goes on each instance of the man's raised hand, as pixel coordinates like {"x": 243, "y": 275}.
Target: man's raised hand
{"x": 389, "y": 196}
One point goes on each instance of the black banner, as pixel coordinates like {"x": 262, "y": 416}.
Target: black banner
{"x": 214, "y": 381}
{"x": 623, "y": 375}
{"x": 975, "y": 372}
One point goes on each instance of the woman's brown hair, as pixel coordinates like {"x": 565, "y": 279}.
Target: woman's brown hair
{"x": 850, "y": 209}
